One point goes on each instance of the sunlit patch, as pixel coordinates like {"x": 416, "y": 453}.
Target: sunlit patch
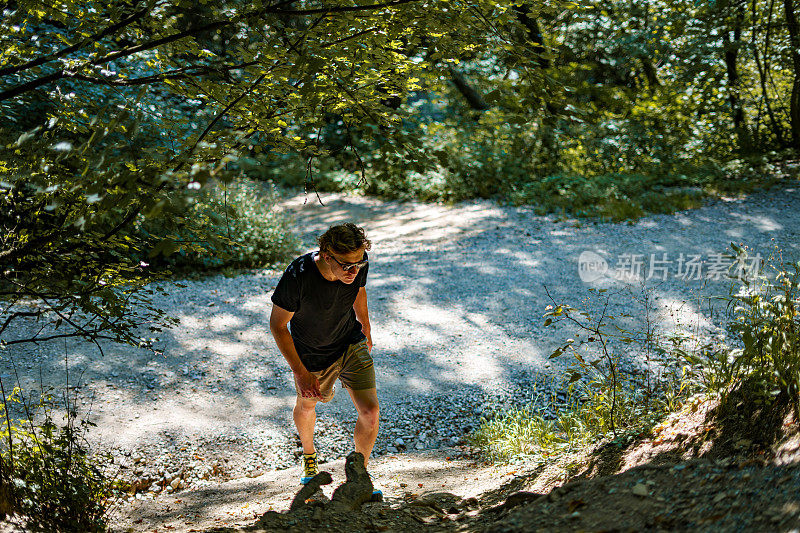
{"x": 762, "y": 223}
{"x": 257, "y": 304}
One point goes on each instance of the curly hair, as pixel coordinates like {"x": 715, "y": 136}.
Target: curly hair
{"x": 343, "y": 239}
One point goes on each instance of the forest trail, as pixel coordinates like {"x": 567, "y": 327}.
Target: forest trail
{"x": 706, "y": 468}
{"x": 240, "y": 502}
{"x": 456, "y": 299}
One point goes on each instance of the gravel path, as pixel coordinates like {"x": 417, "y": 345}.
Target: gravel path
{"x": 456, "y": 295}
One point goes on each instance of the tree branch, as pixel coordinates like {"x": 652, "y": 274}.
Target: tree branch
{"x": 38, "y": 82}
{"x": 178, "y": 73}
{"x": 59, "y": 336}
{"x": 348, "y": 38}
{"x": 326, "y": 10}
{"x": 31, "y": 85}
{"x": 18, "y": 314}
{"x": 77, "y": 46}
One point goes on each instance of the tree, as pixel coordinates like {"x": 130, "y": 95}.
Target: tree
{"x": 113, "y": 122}
{"x": 108, "y": 125}
{"x": 794, "y": 39}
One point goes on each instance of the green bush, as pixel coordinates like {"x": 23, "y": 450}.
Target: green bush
{"x": 765, "y": 320}
{"x": 763, "y": 346}
{"x": 53, "y": 482}
{"x": 244, "y": 230}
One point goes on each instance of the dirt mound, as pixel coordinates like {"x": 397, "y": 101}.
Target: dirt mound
{"x": 696, "y": 495}
{"x": 713, "y": 466}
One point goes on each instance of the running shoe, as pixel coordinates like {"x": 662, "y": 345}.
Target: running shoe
{"x": 310, "y": 468}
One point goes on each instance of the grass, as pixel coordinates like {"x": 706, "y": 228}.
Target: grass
{"x": 584, "y": 418}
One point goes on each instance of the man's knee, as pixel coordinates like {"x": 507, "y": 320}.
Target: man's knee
{"x": 370, "y": 413}
{"x": 304, "y": 405}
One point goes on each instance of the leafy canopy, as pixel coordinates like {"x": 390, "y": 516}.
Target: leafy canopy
{"x": 116, "y": 111}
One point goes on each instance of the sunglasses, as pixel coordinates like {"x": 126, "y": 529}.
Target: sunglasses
{"x": 347, "y": 267}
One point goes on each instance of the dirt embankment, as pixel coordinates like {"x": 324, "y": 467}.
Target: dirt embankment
{"x": 711, "y": 467}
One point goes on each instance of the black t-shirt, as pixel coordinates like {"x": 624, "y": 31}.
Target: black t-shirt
{"x": 324, "y": 323}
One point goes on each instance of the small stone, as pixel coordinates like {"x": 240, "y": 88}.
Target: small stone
{"x": 175, "y": 483}
{"x": 640, "y": 490}
{"x": 399, "y": 442}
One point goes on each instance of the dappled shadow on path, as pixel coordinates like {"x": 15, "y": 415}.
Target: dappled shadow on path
{"x": 456, "y": 296}
{"x": 243, "y": 502}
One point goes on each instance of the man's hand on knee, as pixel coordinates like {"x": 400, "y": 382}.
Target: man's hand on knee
{"x": 308, "y": 385}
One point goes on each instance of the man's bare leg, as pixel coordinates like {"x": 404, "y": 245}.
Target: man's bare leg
{"x": 366, "y": 402}
{"x": 305, "y": 416}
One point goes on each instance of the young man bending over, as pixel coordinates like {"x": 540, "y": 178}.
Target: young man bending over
{"x": 322, "y": 299}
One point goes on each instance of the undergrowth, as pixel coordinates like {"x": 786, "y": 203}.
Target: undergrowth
{"x": 50, "y": 481}
{"x": 605, "y": 401}
{"x": 468, "y": 171}
{"x": 243, "y": 230}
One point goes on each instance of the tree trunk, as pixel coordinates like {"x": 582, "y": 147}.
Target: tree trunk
{"x": 764, "y": 68}
{"x": 794, "y": 103}
{"x": 472, "y": 96}
{"x": 650, "y": 73}
{"x": 731, "y": 55}
{"x": 534, "y": 33}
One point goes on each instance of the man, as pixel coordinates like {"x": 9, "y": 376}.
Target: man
{"x": 322, "y": 298}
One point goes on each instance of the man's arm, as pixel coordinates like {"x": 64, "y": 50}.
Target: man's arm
{"x": 278, "y": 325}
{"x": 362, "y": 314}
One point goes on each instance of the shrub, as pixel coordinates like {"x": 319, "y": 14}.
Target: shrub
{"x": 244, "y": 230}
{"x": 52, "y": 481}
{"x": 765, "y": 320}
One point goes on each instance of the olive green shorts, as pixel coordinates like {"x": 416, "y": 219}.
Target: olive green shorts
{"x": 354, "y": 369}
